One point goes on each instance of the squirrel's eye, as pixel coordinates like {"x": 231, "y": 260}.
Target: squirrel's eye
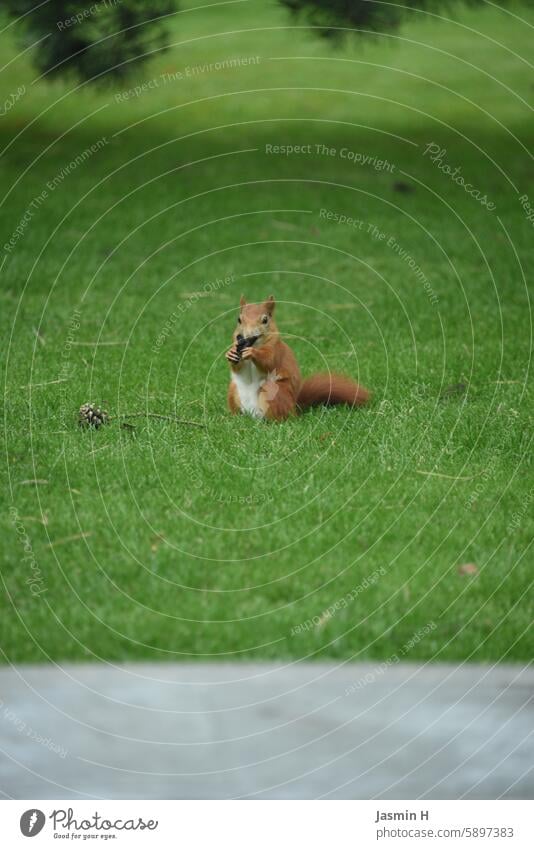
{"x": 239, "y": 319}
{"x": 265, "y": 319}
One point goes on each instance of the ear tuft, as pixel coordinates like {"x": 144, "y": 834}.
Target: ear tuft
{"x": 242, "y": 301}
{"x": 270, "y": 304}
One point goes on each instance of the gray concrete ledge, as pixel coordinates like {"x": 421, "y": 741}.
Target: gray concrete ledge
{"x": 266, "y": 731}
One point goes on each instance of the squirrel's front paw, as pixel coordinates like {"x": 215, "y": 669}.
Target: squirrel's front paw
{"x": 232, "y": 355}
{"x": 248, "y": 354}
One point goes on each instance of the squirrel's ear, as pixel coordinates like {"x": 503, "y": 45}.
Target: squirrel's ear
{"x": 242, "y": 301}
{"x": 270, "y": 304}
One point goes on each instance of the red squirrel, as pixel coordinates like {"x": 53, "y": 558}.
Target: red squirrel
{"x": 265, "y": 377}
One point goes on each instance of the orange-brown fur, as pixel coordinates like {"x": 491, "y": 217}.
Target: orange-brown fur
{"x": 283, "y": 392}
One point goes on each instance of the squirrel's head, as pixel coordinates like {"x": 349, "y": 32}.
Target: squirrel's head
{"x": 256, "y": 321}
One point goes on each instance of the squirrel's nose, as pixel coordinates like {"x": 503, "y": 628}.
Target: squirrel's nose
{"x": 240, "y": 337}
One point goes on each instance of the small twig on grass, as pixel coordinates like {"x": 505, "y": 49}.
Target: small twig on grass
{"x": 56, "y": 461}
{"x": 340, "y": 354}
{"x": 46, "y": 383}
{"x": 450, "y": 477}
{"x": 157, "y": 416}
{"x": 34, "y": 482}
{"x": 43, "y": 520}
{"x": 95, "y": 450}
{"x": 83, "y": 535}
{"x": 93, "y": 344}
{"x": 285, "y": 225}
{"x": 38, "y": 336}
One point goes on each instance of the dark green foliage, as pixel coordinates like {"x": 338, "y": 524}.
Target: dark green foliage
{"x": 365, "y": 16}
{"x": 91, "y": 38}
{"x": 111, "y": 37}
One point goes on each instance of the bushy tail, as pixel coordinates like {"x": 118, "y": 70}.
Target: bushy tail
{"x": 331, "y": 389}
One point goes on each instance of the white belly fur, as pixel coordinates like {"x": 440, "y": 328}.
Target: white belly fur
{"x": 248, "y": 382}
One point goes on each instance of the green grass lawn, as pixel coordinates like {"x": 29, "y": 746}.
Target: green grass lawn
{"x": 168, "y": 541}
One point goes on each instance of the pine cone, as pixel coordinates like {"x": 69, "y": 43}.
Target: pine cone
{"x": 92, "y": 416}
